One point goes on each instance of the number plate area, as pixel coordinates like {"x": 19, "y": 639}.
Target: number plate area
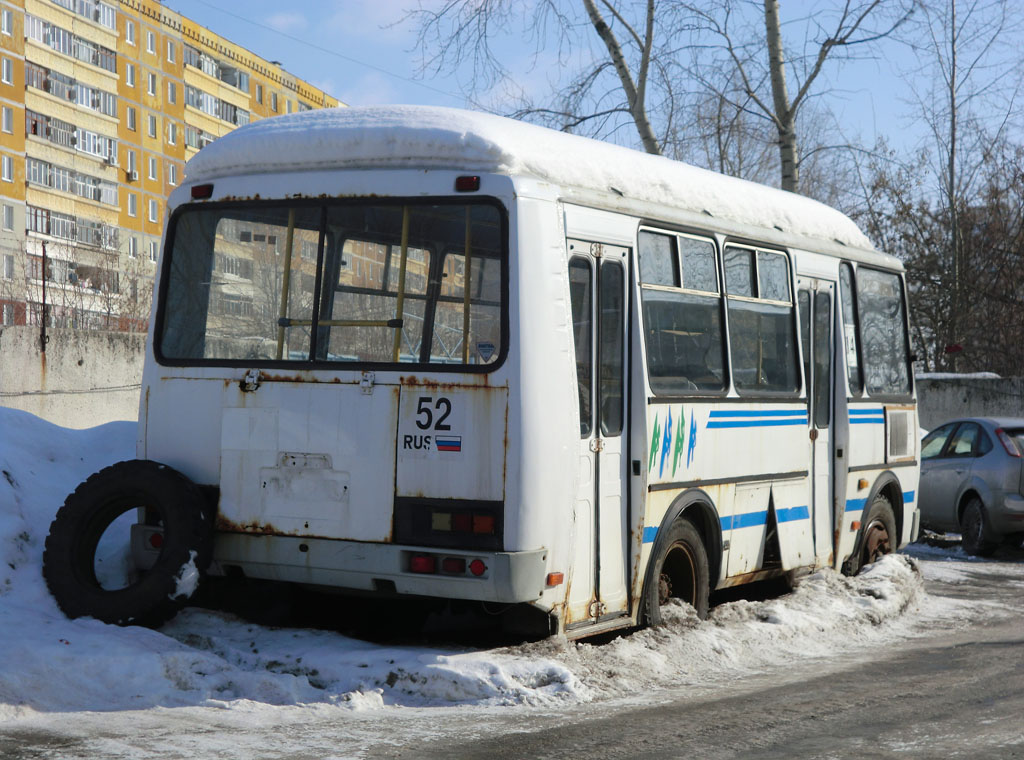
{"x": 309, "y": 460}
{"x": 451, "y": 443}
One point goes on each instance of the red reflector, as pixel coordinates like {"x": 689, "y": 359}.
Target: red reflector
{"x": 555, "y": 579}
{"x": 477, "y": 567}
{"x": 202, "y": 192}
{"x": 156, "y": 540}
{"x": 467, "y": 184}
{"x": 462, "y": 522}
{"x": 483, "y": 523}
{"x": 453, "y": 565}
{"x": 422, "y": 564}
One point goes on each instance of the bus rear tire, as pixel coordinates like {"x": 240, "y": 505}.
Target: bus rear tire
{"x": 148, "y": 597}
{"x": 680, "y": 571}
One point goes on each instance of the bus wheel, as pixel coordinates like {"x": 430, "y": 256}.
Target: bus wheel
{"x": 90, "y": 564}
{"x": 680, "y": 570}
{"x": 973, "y": 534}
{"x": 879, "y": 536}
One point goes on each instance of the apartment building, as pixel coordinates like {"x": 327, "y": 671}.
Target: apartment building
{"x": 101, "y": 104}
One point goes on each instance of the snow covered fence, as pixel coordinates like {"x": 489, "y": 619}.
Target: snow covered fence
{"x": 86, "y": 378}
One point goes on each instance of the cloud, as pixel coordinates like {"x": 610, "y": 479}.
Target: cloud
{"x": 287, "y": 22}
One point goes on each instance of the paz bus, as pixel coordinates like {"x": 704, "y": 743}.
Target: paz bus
{"x": 429, "y": 352}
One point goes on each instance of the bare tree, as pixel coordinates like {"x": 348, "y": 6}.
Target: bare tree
{"x": 753, "y": 68}
{"x": 966, "y": 94}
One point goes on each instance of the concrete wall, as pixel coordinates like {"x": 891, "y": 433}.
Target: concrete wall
{"x": 85, "y": 378}
{"x": 943, "y": 399}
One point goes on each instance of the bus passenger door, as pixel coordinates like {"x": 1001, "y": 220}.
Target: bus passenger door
{"x": 815, "y": 299}
{"x": 597, "y": 276}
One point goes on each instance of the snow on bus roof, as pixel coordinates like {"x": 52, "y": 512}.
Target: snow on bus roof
{"x": 430, "y": 137}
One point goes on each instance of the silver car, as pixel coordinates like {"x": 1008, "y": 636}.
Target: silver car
{"x": 972, "y": 481}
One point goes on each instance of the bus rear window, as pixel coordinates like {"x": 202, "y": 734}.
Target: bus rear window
{"x": 368, "y": 283}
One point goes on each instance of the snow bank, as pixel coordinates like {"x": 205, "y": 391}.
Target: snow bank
{"x": 213, "y": 659}
{"x": 428, "y": 137}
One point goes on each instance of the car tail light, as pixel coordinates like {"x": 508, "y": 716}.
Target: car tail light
{"x": 477, "y": 567}
{"x": 422, "y": 563}
{"x": 156, "y": 540}
{"x": 202, "y": 192}
{"x": 467, "y": 184}
{"x": 1008, "y": 443}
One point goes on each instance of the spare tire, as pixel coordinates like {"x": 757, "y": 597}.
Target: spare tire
{"x": 172, "y": 505}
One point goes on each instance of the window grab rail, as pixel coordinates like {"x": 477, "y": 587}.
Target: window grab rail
{"x": 400, "y": 306}
{"x": 283, "y": 322}
{"x": 467, "y": 281}
{"x": 285, "y": 283}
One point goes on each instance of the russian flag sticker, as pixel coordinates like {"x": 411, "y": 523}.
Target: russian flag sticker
{"x": 448, "y": 442}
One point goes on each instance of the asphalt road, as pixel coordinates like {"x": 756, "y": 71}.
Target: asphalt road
{"x": 951, "y": 695}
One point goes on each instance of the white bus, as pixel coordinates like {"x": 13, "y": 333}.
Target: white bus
{"x": 429, "y": 352}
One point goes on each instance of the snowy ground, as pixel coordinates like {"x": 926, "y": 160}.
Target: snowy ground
{"x": 212, "y": 683}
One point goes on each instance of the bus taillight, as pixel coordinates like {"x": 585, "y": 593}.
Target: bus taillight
{"x": 422, "y": 563}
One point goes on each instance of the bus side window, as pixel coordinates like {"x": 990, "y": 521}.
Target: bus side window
{"x": 761, "y": 328}
{"x": 883, "y": 332}
{"x": 850, "y": 341}
{"x": 682, "y": 311}
{"x": 580, "y": 294}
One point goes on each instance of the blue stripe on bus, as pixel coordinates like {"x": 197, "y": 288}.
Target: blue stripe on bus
{"x": 756, "y": 423}
{"x": 867, "y": 416}
{"x": 909, "y": 496}
{"x": 650, "y": 534}
{"x": 765, "y": 413}
{"x": 855, "y": 505}
{"x": 792, "y": 513}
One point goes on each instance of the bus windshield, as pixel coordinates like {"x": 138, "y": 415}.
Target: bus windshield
{"x": 363, "y": 282}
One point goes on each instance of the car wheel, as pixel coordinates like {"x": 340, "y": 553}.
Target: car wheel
{"x": 974, "y": 536}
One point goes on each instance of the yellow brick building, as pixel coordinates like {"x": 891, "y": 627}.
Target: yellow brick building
{"x": 102, "y": 103}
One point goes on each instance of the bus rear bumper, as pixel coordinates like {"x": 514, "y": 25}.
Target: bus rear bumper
{"x": 507, "y": 577}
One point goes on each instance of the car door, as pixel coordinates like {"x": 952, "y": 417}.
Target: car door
{"x": 946, "y": 457}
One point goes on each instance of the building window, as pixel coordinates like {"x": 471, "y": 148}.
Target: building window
{"x": 259, "y": 93}
{"x": 6, "y": 22}
{"x": 8, "y": 217}
{"x": 131, "y": 163}
{"x": 151, "y": 84}
{"x": 152, "y": 210}
{"x": 133, "y": 247}
{"x": 152, "y": 167}
{"x": 153, "y": 248}
{"x": 172, "y": 174}
{"x": 7, "y": 169}
{"x": 8, "y": 314}
{"x": 129, "y": 74}
{"x": 273, "y": 102}
{"x": 133, "y": 204}
{"x": 129, "y": 32}
{"x": 150, "y": 42}
{"x": 172, "y": 133}
{"x": 152, "y": 125}
{"x": 8, "y": 266}
{"x": 8, "y": 120}
{"x": 170, "y": 51}
{"x": 130, "y": 113}
{"x": 7, "y": 72}
{"x": 172, "y": 92}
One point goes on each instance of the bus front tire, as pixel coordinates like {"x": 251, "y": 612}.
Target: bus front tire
{"x": 150, "y": 597}
{"x": 879, "y": 536}
{"x": 680, "y": 571}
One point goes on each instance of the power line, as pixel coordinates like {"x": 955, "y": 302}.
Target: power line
{"x": 343, "y": 57}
